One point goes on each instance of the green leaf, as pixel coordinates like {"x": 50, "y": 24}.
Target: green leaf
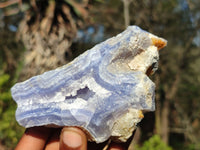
{"x": 4, "y": 79}
{"x": 154, "y": 143}
{"x": 5, "y": 96}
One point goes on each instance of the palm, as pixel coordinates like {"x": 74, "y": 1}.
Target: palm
{"x": 47, "y": 31}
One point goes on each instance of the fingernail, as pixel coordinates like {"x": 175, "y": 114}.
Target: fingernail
{"x": 72, "y": 139}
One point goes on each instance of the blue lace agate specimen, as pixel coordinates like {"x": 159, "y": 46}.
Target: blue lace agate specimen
{"x": 102, "y": 91}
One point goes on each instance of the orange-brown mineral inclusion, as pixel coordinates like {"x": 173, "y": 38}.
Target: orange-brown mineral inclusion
{"x": 159, "y": 43}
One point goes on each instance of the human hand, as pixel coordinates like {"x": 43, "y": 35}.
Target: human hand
{"x": 68, "y": 138}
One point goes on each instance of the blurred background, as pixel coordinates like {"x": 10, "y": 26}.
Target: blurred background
{"x": 39, "y": 35}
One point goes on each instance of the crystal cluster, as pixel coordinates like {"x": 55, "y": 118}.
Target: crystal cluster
{"x": 103, "y": 91}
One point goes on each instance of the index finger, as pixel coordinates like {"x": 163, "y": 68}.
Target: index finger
{"x": 34, "y": 139}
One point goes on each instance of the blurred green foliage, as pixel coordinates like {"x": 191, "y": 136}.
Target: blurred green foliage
{"x": 154, "y": 143}
{"x": 5, "y": 95}
{"x": 10, "y": 64}
{"x": 10, "y": 131}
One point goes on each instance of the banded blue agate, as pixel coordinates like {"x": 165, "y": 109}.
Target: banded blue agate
{"x": 103, "y": 91}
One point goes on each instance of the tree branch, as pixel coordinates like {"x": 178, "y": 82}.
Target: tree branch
{"x": 11, "y": 12}
{"x": 178, "y": 130}
{"x": 126, "y": 12}
{"x": 8, "y": 3}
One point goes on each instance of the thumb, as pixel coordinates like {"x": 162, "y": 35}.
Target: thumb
{"x": 73, "y": 138}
